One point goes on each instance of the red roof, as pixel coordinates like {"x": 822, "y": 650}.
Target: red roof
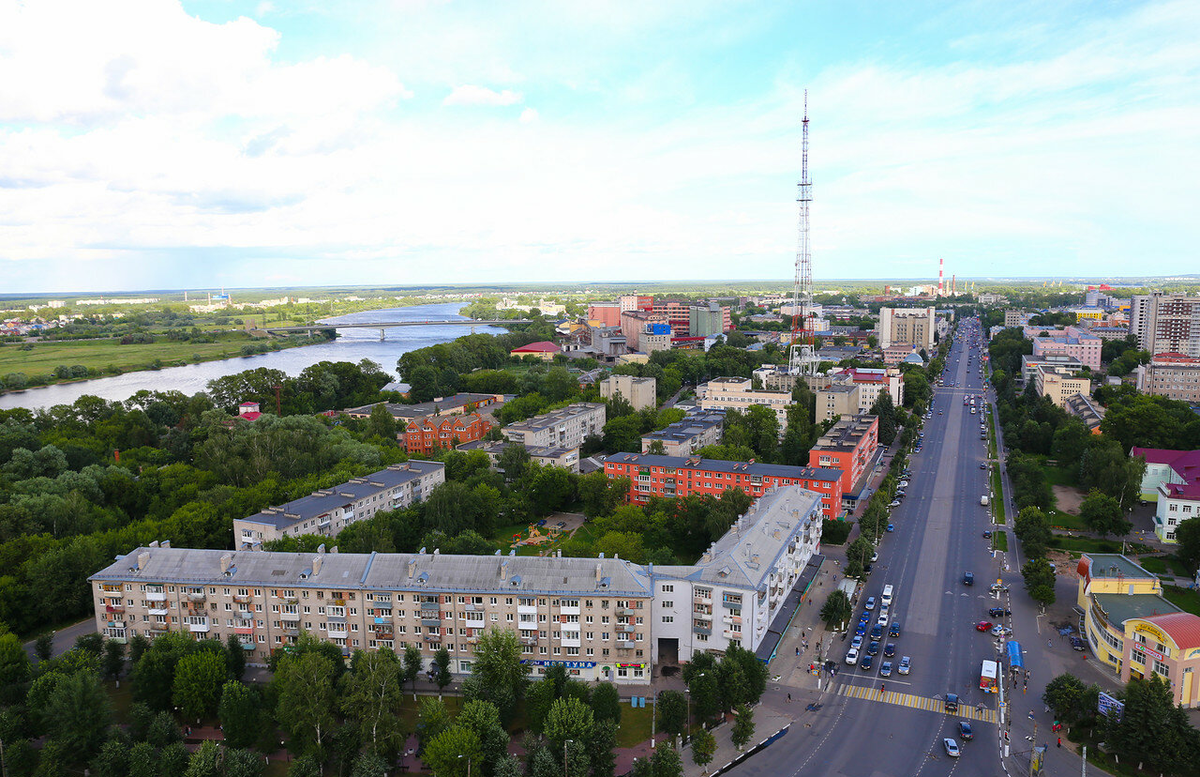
{"x": 249, "y": 416}
{"x": 1183, "y": 627}
{"x": 545, "y": 346}
{"x": 1185, "y": 463}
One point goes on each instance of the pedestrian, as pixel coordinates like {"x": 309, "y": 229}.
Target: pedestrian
{"x": 797, "y": 651}
{"x": 789, "y": 698}
{"x": 1049, "y": 644}
{"x": 883, "y": 687}
{"x": 1060, "y": 741}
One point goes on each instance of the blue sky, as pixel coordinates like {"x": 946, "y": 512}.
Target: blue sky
{"x": 161, "y": 144}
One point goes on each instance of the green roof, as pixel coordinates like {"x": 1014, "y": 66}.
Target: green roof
{"x": 1121, "y": 607}
{"x": 1110, "y": 565}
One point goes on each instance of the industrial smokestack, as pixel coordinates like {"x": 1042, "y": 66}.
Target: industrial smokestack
{"x": 941, "y": 277}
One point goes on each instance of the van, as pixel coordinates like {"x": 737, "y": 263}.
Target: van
{"x": 886, "y": 599}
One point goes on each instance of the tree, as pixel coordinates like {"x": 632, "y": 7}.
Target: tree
{"x": 1103, "y": 515}
{"x": 235, "y": 657}
{"x": 164, "y": 730}
{"x": 305, "y": 766}
{"x": 1153, "y": 730}
{"x": 198, "y": 681}
{"x": 432, "y": 720}
{"x": 442, "y": 754}
{"x": 568, "y": 719}
{"x": 143, "y": 760}
{"x": 700, "y": 674}
{"x": 1032, "y": 528}
{"x": 538, "y": 700}
{"x": 600, "y": 748}
{"x": 1071, "y": 700}
{"x": 837, "y": 608}
{"x": 743, "y": 726}
{"x": 43, "y": 646}
{"x": 606, "y": 703}
{"x": 412, "y": 666}
{"x": 304, "y": 689}
{"x": 369, "y": 765}
{"x": 114, "y": 659}
{"x": 1039, "y": 581}
{"x": 205, "y": 762}
{"x": 78, "y": 713}
{"x": 372, "y": 697}
{"x": 497, "y": 675}
{"x": 240, "y": 762}
{"x": 382, "y": 423}
{"x": 138, "y": 645}
{"x": 672, "y": 712}
{"x": 112, "y": 760}
{"x": 441, "y": 663}
{"x": 886, "y": 411}
{"x": 173, "y": 760}
{"x": 14, "y": 665}
{"x": 1187, "y": 534}
{"x": 704, "y": 747}
{"x": 240, "y": 711}
{"x": 666, "y": 761}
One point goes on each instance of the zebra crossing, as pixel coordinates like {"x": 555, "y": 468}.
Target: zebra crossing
{"x": 965, "y": 711}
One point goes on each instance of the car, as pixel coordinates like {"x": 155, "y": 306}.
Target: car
{"x": 852, "y": 656}
{"x": 870, "y": 603}
{"x": 542, "y": 522}
{"x": 982, "y": 465}
{"x": 876, "y": 632}
{"x": 984, "y": 625}
{"x": 885, "y": 669}
{"x": 883, "y": 619}
{"x": 968, "y": 578}
{"x": 894, "y": 503}
{"x": 891, "y": 527}
{"x": 864, "y": 617}
{"x": 874, "y": 557}
{"x": 986, "y": 534}
{"x": 561, "y": 524}
{"x": 866, "y": 662}
{"x": 894, "y": 629}
{"x": 905, "y": 665}
{"x": 862, "y": 629}
{"x": 884, "y": 612}
{"x": 939, "y": 412}
{"x": 998, "y": 612}
{"x": 1001, "y": 631}
{"x": 903, "y": 484}
{"x": 1077, "y": 643}
{"x": 873, "y": 649}
{"x": 856, "y": 643}
{"x": 889, "y": 649}
{"x": 901, "y": 493}
{"x": 964, "y": 730}
{"x": 951, "y": 747}
{"x": 998, "y": 588}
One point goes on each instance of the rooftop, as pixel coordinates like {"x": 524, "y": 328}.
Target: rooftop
{"x": 1121, "y": 607}
{"x": 748, "y": 552}
{"x": 847, "y": 433}
{"x": 543, "y": 346}
{"x": 689, "y": 427}
{"x": 1182, "y": 627}
{"x": 555, "y": 416}
{"x": 422, "y": 409}
{"x": 1108, "y": 566}
{"x": 718, "y": 465}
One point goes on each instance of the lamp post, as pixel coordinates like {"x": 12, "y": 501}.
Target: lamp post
{"x": 565, "y": 743}
{"x": 468, "y": 764}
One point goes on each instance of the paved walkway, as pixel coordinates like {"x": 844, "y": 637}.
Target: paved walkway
{"x": 766, "y": 723}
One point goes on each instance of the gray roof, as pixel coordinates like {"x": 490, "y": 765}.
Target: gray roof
{"x": 689, "y": 427}
{"x": 431, "y": 572}
{"x": 744, "y": 555}
{"x": 422, "y": 409}
{"x": 496, "y": 447}
{"x": 555, "y": 416}
{"x": 1121, "y": 607}
{"x": 329, "y": 499}
{"x": 718, "y": 465}
{"x": 1113, "y": 565}
{"x": 846, "y": 433}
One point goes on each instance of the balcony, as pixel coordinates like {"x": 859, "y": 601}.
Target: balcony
{"x": 240, "y": 599}
{"x": 291, "y": 600}
{"x": 526, "y": 609}
{"x": 243, "y": 629}
{"x": 111, "y": 589}
{"x": 528, "y": 640}
{"x": 731, "y": 634}
{"x": 336, "y": 629}
{"x": 706, "y": 600}
{"x": 112, "y": 594}
{"x": 339, "y": 602}
{"x": 527, "y": 626}
{"x": 625, "y": 628}
{"x": 732, "y": 619}
{"x": 289, "y": 616}
{"x": 156, "y": 596}
{"x": 379, "y": 620}
{"x": 243, "y": 615}
{"x": 623, "y": 612}
{"x": 383, "y": 606}
{"x": 624, "y": 644}
{"x": 114, "y": 608}
{"x": 198, "y": 628}
{"x": 731, "y": 605}
{"x": 434, "y": 622}
{"x": 571, "y": 640}
{"x": 433, "y": 637}
{"x": 569, "y": 610}
{"x": 338, "y": 617}
{"x": 704, "y": 616}
{"x": 159, "y": 611}
{"x": 430, "y": 606}
{"x": 701, "y": 628}
{"x": 291, "y": 631}
{"x": 384, "y": 634}
{"x": 115, "y": 625}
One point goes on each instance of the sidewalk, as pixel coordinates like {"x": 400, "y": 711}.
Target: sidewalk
{"x": 767, "y": 722}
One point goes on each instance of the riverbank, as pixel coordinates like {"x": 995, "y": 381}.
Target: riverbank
{"x": 46, "y": 363}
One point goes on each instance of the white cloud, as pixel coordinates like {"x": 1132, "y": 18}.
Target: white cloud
{"x": 528, "y": 116}
{"x": 469, "y": 94}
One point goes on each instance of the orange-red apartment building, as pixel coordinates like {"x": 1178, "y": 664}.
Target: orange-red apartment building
{"x": 424, "y": 435}
{"x": 679, "y": 476}
{"x": 849, "y": 446}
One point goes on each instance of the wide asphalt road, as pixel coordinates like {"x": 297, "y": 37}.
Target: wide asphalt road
{"x": 861, "y": 732}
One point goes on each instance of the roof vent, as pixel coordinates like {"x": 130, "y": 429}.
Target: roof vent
{"x": 226, "y": 561}
{"x": 143, "y": 560}
{"x": 154, "y": 544}
{"x": 317, "y": 562}
{"x": 165, "y": 544}
{"x": 321, "y": 549}
{"x": 412, "y": 567}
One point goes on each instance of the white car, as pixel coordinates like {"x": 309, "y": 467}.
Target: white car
{"x": 883, "y": 618}
{"x": 852, "y": 656}
{"x": 894, "y": 504}
{"x": 903, "y": 484}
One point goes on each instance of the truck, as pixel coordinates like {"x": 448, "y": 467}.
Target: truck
{"x": 989, "y": 675}
{"x": 983, "y": 500}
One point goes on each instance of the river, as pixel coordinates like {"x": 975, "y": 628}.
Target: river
{"x": 352, "y": 346}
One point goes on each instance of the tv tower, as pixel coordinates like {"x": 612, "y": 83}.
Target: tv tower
{"x": 802, "y": 357}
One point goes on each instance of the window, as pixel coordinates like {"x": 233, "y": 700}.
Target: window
{"x": 668, "y": 605}
{"x": 668, "y": 619}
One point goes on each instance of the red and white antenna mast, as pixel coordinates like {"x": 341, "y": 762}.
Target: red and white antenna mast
{"x": 803, "y": 357}
{"x": 941, "y": 277}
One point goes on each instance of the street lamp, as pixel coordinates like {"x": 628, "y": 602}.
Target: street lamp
{"x": 565, "y": 743}
{"x": 468, "y": 764}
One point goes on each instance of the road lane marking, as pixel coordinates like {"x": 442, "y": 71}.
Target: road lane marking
{"x": 914, "y": 701}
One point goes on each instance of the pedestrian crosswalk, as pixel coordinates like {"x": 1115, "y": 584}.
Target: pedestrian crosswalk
{"x": 965, "y": 711}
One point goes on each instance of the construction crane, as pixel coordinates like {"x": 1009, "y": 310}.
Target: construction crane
{"x": 802, "y": 357}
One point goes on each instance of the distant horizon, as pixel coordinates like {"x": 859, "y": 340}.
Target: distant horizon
{"x": 1130, "y": 281}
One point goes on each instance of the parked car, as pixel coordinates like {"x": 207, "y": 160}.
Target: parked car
{"x": 999, "y": 612}
{"x": 891, "y": 527}
{"x": 870, "y": 605}
{"x": 873, "y": 649}
{"x": 894, "y": 503}
{"x": 1001, "y": 631}
{"x": 1078, "y": 644}
{"x": 856, "y": 643}
{"x": 889, "y": 649}
{"x": 877, "y": 632}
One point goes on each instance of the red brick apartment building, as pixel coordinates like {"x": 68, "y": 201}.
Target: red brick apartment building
{"x": 678, "y": 476}
{"x": 849, "y": 446}
{"x": 424, "y": 435}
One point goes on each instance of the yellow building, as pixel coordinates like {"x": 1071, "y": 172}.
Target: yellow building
{"x": 1060, "y": 384}
{"x": 1130, "y": 627}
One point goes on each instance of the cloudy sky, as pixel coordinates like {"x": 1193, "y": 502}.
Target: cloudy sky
{"x": 159, "y": 144}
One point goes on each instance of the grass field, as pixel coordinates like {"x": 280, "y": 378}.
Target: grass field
{"x": 1164, "y": 565}
{"x": 1000, "y": 540}
{"x": 1185, "y": 599}
{"x": 111, "y": 356}
{"x": 1060, "y": 476}
{"x": 1061, "y": 520}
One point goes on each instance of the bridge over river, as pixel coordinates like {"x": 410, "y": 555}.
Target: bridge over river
{"x": 383, "y": 326}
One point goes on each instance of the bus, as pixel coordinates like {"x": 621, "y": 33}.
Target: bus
{"x": 989, "y": 677}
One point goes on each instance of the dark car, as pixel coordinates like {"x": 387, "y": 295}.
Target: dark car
{"x": 999, "y": 612}
{"x": 987, "y": 534}
{"x": 866, "y": 661}
{"x": 969, "y": 578}
{"x": 964, "y": 730}
{"x": 952, "y": 702}
{"x": 1077, "y": 643}
{"x": 873, "y": 649}
{"x": 876, "y": 632}
{"x": 889, "y": 649}
{"x": 894, "y": 629}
